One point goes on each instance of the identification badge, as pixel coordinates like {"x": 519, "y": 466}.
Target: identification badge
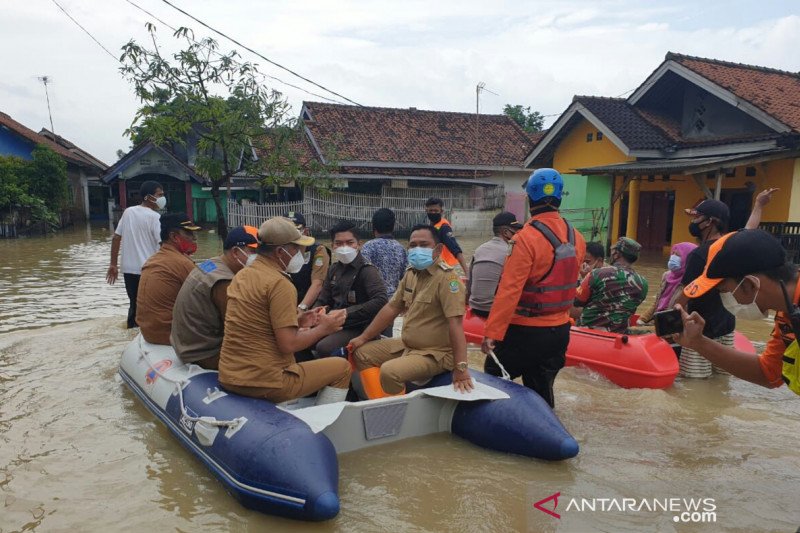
{"x": 208, "y": 266}
{"x": 351, "y": 297}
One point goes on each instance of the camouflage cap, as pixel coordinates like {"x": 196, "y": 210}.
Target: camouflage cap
{"x": 627, "y": 246}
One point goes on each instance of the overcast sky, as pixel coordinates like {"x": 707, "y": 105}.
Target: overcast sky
{"x": 393, "y": 53}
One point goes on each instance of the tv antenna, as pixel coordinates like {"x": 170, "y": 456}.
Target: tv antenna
{"x": 45, "y": 80}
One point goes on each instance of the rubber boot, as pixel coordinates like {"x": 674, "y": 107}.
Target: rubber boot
{"x": 331, "y": 395}
{"x": 371, "y": 381}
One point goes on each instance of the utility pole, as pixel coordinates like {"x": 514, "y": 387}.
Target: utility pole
{"x": 478, "y": 89}
{"x": 45, "y": 80}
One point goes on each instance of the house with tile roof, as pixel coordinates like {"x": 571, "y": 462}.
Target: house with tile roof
{"x": 87, "y": 192}
{"x": 695, "y": 128}
{"x": 378, "y": 147}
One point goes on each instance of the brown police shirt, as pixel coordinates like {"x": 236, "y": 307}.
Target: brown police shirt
{"x": 162, "y": 277}
{"x": 261, "y": 299}
{"x": 429, "y": 297}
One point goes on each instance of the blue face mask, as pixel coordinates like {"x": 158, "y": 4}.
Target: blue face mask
{"x": 674, "y": 262}
{"x": 420, "y": 258}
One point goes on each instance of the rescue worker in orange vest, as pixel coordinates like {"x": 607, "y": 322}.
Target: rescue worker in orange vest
{"x": 528, "y": 326}
{"x": 451, "y": 251}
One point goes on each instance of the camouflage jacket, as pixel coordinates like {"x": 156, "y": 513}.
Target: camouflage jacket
{"x": 610, "y": 295}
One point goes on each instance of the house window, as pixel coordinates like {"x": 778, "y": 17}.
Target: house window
{"x": 599, "y": 136}
{"x": 750, "y": 172}
{"x": 589, "y": 137}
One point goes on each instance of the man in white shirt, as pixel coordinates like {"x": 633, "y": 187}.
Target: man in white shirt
{"x": 139, "y": 232}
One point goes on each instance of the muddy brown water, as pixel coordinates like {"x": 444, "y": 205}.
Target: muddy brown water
{"x": 78, "y": 452}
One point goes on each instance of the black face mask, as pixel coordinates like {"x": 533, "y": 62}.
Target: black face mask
{"x": 695, "y": 230}
{"x": 434, "y": 217}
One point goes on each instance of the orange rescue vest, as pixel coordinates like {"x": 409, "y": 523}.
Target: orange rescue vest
{"x": 555, "y": 291}
{"x": 446, "y": 255}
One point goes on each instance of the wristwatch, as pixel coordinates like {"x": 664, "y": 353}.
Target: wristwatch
{"x": 302, "y": 307}
{"x": 462, "y": 366}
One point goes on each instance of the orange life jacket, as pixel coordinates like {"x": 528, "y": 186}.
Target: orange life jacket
{"x": 446, "y": 255}
{"x": 555, "y": 291}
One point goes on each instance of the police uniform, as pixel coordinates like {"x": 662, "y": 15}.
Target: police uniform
{"x": 429, "y": 298}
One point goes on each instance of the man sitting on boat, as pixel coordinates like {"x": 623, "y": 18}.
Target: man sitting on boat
{"x": 263, "y": 328}
{"x": 749, "y": 269}
{"x": 610, "y": 295}
{"x": 353, "y": 285}
{"x": 432, "y": 341}
{"x": 199, "y": 313}
{"x": 163, "y": 275}
{"x": 487, "y": 264}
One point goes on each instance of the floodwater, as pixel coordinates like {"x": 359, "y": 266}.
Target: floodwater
{"x": 78, "y": 452}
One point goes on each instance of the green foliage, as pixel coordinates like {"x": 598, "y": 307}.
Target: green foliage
{"x": 24, "y": 185}
{"x": 48, "y": 178}
{"x": 217, "y": 98}
{"x": 530, "y": 121}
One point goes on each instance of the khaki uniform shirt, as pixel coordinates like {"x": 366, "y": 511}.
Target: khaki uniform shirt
{"x": 429, "y": 297}
{"x": 261, "y": 299}
{"x": 162, "y": 277}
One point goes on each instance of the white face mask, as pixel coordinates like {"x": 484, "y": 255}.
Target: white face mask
{"x": 749, "y": 311}
{"x": 251, "y": 259}
{"x": 161, "y": 202}
{"x": 345, "y": 254}
{"x": 296, "y": 263}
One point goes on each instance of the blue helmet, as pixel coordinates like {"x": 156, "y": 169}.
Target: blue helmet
{"x": 544, "y": 182}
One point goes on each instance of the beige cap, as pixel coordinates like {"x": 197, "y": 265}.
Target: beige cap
{"x": 280, "y": 230}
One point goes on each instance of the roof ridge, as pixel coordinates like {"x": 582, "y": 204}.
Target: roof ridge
{"x": 677, "y": 56}
{"x": 407, "y": 109}
{"x": 578, "y": 97}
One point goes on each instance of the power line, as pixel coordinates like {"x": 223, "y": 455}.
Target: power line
{"x": 115, "y": 58}
{"x": 265, "y": 58}
{"x": 140, "y": 8}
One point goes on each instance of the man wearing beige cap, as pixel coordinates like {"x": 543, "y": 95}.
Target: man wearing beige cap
{"x": 263, "y": 329}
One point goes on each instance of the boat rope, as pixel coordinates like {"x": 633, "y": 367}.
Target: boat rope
{"x": 179, "y": 383}
{"x": 503, "y": 374}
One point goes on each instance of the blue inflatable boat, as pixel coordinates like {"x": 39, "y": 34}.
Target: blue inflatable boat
{"x": 281, "y": 459}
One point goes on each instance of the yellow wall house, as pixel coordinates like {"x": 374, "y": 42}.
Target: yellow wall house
{"x": 696, "y": 128}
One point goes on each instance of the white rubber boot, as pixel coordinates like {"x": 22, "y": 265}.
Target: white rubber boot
{"x": 331, "y": 395}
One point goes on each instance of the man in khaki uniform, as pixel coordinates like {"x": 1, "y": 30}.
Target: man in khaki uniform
{"x": 263, "y": 329}
{"x": 432, "y": 297}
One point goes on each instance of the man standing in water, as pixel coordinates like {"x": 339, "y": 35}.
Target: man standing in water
{"x": 529, "y": 323}
{"x": 138, "y": 232}
{"x": 451, "y": 252}
{"x": 750, "y": 272}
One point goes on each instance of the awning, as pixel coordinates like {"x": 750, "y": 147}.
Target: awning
{"x": 687, "y": 165}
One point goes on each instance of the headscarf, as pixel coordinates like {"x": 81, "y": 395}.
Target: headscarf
{"x": 672, "y": 278}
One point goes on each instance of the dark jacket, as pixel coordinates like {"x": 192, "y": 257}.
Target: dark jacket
{"x": 357, "y": 287}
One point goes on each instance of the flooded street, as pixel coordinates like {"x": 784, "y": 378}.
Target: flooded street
{"x": 78, "y": 452}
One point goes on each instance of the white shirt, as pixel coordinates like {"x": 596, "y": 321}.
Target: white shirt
{"x": 140, "y": 229}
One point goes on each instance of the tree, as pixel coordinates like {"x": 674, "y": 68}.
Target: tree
{"x": 38, "y": 186}
{"x": 530, "y": 121}
{"x": 216, "y": 97}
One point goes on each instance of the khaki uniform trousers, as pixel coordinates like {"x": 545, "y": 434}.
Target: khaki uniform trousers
{"x": 399, "y": 364}
{"x": 301, "y": 380}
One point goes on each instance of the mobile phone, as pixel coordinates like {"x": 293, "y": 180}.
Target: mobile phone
{"x": 668, "y": 322}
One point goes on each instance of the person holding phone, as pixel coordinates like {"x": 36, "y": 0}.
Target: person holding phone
{"x": 751, "y": 273}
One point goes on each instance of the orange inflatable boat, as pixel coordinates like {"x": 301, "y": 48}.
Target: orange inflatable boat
{"x": 630, "y": 361}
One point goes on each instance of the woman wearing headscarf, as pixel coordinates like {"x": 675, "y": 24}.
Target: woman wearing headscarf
{"x": 670, "y": 282}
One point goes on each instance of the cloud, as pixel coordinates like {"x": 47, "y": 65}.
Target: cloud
{"x": 416, "y": 53}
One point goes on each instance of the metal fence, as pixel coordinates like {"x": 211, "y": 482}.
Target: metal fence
{"x": 323, "y": 209}
{"x": 789, "y": 235}
{"x": 591, "y": 222}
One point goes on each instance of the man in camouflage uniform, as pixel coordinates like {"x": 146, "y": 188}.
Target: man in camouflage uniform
{"x": 610, "y": 295}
